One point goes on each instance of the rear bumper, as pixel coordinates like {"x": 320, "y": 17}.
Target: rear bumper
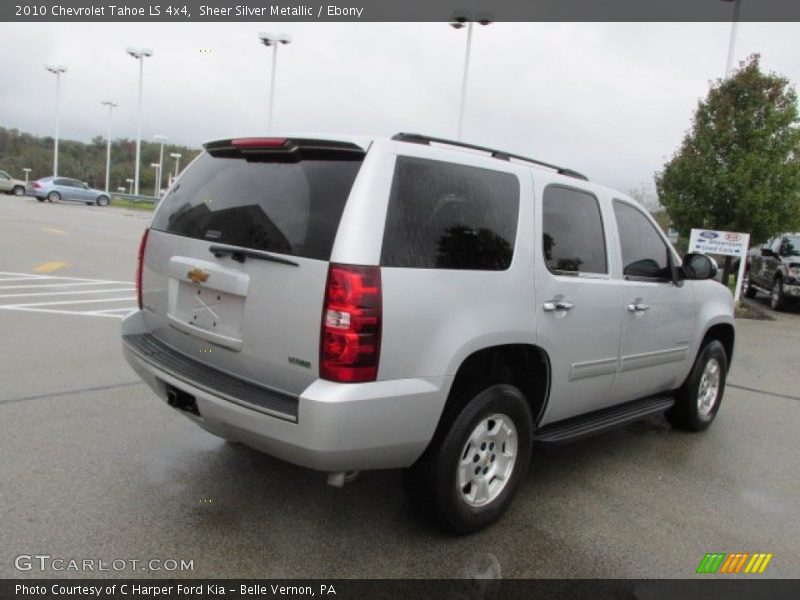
{"x": 338, "y": 427}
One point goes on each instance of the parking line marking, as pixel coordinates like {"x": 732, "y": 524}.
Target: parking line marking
{"x": 49, "y": 267}
{"x": 76, "y": 313}
{"x": 51, "y": 285}
{"x": 110, "y": 311}
{"x": 126, "y": 299}
{"x": 56, "y": 230}
{"x": 25, "y": 295}
{"x": 25, "y": 276}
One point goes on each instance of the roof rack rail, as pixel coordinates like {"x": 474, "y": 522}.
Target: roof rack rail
{"x": 416, "y": 138}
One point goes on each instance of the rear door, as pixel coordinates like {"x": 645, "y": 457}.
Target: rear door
{"x": 577, "y": 301}
{"x": 237, "y": 256}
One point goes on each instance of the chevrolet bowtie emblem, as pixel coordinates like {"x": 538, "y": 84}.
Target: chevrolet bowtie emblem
{"x": 197, "y": 275}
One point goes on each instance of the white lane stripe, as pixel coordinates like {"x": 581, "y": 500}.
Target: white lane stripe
{"x": 13, "y": 306}
{"x": 21, "y": 279}
{"x": 51, "y": 285}
{"x": 28, "y": 276}
{"x": 28, "y": 295}
{"x": 111, "y": 310}
{"x": 65, "y": 312}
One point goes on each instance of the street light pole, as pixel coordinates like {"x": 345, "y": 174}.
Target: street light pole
{"x": 111, "y": 106}
{"x": 56, "y": 70}
{"x": 161, "y": 139}
{"x": 732, "y": 42}
{"x": 139, "y": 54}
{"x": 177, "y": 158}
{"x": 157, "y": 167}
{"x": 460, "y": 21}
{"x": 273, "y": 41}
{"x": 27, "y": 172}
{"x": 130, "y": 183}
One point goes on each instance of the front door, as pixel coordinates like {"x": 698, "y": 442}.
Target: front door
{"x": 658, "y": 315}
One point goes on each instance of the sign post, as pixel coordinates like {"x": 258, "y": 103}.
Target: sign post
{"x": 727, "y": 243}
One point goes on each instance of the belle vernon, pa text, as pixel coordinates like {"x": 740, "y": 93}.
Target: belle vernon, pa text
{"x": 175, "y": 591}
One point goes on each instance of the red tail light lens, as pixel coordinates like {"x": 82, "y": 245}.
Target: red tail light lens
{"x": 350, "y": 341}
{"x": 258, "y": 142}
{"x": 140, "y": 267}
{"x": 35, "y": 185}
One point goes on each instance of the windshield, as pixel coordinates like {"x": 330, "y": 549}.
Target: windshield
{"x": 792, "y": 246}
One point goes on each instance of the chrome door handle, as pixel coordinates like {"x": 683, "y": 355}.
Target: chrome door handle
{"x": 552, "y": 305}
{"x": 638, "y": 307}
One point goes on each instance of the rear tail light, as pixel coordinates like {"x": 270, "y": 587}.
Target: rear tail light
{"x": 35, "y": 185}
{"x": 258, "y": 142}
{"x": 350, "y": 340}
{"x": 140, "y": 267}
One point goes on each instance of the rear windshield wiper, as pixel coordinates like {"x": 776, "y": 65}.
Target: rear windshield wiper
{"x": 239, "y": 255}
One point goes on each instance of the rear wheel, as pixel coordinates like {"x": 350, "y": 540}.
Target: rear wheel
{"x": 53, "y": 197}
{"x": 776, "y": 298}
{"x": 698, "y": 400}
{"x": 102, "y": 201}
{"x": 468, "y": 476}
{"x": 19, "y": 190}
{"x": 747, "y": 288}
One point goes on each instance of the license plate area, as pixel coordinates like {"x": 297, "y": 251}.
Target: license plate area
{"x": 209, "y": 309}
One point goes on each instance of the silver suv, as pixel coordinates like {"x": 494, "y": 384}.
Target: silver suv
{"x": 418, "y": 303}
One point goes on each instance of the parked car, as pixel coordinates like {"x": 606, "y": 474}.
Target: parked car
{"x": 418, "y": 303}
{"x": 9, "y": 185}
{"x": 55, "y": 189}
{"x": 774, "y": 269}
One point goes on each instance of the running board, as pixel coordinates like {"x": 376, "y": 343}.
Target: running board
{"x": 595, "y": 422}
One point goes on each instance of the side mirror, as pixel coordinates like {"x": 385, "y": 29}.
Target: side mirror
{"x": 698, "y": 267}
{"x": 767, "y": 252}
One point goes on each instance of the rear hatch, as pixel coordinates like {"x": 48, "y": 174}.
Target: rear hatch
{"x": 236, "y": 260}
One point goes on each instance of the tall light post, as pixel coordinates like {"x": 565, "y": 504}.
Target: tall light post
{"x": 160, "y": 139}
{"x": 130, "y": 184}
{"x": 273, "y": 41}
{"x": 460, "y": 21}
{"x": 139, "y": 54}
{"x": 111, "y": 106}
{"x": 27, "y": 173}
{"x": 177, "y": 158}
{"x": 56, "y": 70}
{"x": 156, "y": 166}
{"x": 732, "y": 42}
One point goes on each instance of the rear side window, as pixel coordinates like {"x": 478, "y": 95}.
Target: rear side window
{"x": 644, "y": 253}
{"x": 287, "y": 208}
{"x": 449, "y": 216}
{"x": 573, "y": 241}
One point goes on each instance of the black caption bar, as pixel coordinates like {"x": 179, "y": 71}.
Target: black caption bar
{"x": 376, "y": 589}
{"x": 396, "y": 10}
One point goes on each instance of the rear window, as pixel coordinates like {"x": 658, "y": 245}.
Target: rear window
{"x": 449, "y": 216}
{"x": 287, "y": 208}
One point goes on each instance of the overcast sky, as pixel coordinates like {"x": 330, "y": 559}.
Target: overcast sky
{"x": 610, "y": 100}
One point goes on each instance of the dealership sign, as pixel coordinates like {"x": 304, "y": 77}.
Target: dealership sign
{"x": 728, "y": 243}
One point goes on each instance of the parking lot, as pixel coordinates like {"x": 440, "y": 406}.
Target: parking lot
{"x": 95, "y": 467}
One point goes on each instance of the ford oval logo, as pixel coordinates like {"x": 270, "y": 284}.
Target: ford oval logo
{"x": 709, "y": 235}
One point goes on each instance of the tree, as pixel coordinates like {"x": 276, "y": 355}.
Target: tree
{"x": 738, "y": 168}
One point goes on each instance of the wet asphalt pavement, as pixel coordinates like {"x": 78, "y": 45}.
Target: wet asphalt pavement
{"x": 93, "y": 466}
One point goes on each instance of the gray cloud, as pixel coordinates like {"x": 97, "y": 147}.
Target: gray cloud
{"x": 611, "y": 100}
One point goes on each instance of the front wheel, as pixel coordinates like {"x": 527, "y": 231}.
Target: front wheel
{"x": 698, "y": 400}
{"x": 467, "y": 478}
{"x": 19, "y": 190}
{"x": 102, "y": 201}
{"x": 777, "y": 300}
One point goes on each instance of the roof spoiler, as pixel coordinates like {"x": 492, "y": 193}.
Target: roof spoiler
{"x": 276, "y": 149}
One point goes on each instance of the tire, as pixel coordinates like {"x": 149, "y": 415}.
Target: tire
{"x": 18, "y": 190}
{"x": 698, "y": 400}
{"x": 40, "y": 199}
{"x": 777, "y": 300}
{"x": 102, "y": 201}
{"x": 748, "y": 291}
{"x": 496, "y": 421}
{"x": 53, "y": 197}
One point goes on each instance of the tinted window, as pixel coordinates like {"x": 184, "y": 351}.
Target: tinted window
{"x": 644, "y": 253}
{"x": 791, "y": 246}
{"x": 67, "y": 182}
{"x": 572, "y": 232}
{"x": 289, "y": 208}
{"x": 448, "y": 216}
